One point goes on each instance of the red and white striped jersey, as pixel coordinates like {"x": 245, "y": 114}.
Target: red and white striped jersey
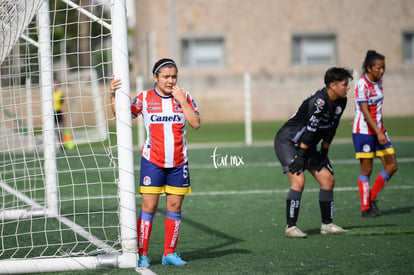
{"x": 164, "y": 120}
{"x": 371, "y": 93}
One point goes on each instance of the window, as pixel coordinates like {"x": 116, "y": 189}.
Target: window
{"x": 313, "y": 49}
{"x": 202, "y": 52}
{"x": 408, "y": 47}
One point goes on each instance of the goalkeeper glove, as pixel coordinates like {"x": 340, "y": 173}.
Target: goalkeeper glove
{"x": 324, "y": 161}
{"x": 297, "y": 164}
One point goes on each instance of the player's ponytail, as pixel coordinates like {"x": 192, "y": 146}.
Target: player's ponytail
{"x": 370, "y": 59}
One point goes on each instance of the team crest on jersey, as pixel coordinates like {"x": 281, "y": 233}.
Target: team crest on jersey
{"x": 320, "y": 102}
{"x": 177, "y": 106}
{"x": 366, "y": 148}
{"x": 146, "y": 181}
{"x": 338, "y": 110}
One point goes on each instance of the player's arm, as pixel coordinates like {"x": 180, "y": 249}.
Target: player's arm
{"x": 382, "y": 139}
{"x": 193, "y": 119}
{"x": 315, "y": 111}
{"x": 308, "y": 138}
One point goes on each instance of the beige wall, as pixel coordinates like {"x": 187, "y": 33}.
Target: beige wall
{"x": 258, "y": 41}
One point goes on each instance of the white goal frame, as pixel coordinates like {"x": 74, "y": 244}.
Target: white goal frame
{"x": 111, "y": 258}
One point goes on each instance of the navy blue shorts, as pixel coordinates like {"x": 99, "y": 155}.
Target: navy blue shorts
{"x": 367, "y": 146}
{"x": 159, "y": 180}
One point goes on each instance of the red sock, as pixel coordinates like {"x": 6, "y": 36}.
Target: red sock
{"x": 144, "y": 229}
{"x": 377, "y": 187}
{"x": 172, "y": 229}
{"x": 364, "y": 194}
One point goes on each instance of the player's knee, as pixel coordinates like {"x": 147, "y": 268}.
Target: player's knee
{"x": 366, "y": 171}
{"x": 391, "y": 168}
{"x": 149, "y": 208}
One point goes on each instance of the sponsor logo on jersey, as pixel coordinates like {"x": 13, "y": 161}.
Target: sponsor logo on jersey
{"x": 375, "y": 100}
{"x": 174, "y": 118}
{"x": 154, "y": 108}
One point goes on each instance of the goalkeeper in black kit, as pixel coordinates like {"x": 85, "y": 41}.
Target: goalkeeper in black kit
{"x": 302, "y": 143}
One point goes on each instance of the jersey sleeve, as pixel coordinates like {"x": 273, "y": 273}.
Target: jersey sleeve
{"x": 192, "y": 103}
{"x": 361, "y": 92}
{"x": 136, "y": 105}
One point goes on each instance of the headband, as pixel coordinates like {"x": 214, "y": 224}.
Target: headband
{"x": 163, "y": 64}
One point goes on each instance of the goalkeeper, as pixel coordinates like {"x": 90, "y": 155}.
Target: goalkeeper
{"x": 296, "y": 146}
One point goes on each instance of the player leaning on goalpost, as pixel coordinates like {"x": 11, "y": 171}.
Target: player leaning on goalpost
{"x": 296, "y": 144}
{"x": 164, "y": 164}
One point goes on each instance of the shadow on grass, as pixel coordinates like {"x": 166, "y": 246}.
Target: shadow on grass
{"x": 404, "y": 210}
{"x": 372, "y": 230}
{"x": 214, "y": 251}
{"x": 384, "y": 229}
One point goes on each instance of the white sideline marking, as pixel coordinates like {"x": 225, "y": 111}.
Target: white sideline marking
{"x": 252, "y": 192}
{"x": 267, "y": 191}
{"x": 277, "y": 164}
{"x": 144, "y": 271}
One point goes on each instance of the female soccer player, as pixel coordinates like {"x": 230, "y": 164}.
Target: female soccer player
{"x": 164, "y": 164}
{"x": 296, "y": 145}
{"x": 369, "y": 134}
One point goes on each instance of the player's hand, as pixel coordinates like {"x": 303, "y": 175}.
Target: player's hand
{"x": 297, "y": 165}
{"x": 179, "y": 94}
{"x": 115, "y": 84}
{"x": 324, "y": 162}
{"x": 382, "y": 139}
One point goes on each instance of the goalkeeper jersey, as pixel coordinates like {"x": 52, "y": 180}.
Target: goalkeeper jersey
{"x": 316, "y": 120}
{"x": 371, "y": 93}
{"x": 164, "y": 120}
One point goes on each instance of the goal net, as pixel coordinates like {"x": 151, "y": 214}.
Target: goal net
{"x": 66, "y": 179}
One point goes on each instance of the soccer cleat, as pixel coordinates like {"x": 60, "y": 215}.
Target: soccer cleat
{"x": 369, "y": 214}
{"x": 375, "y": 208}
{"x": 172, "y": 259}
{"x": 294, "y": 232}
{"x": 143, "y": 261}
{"x": 332, "y": 229}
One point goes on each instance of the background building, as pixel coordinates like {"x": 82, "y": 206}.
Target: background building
{"x": 284, "y": 45}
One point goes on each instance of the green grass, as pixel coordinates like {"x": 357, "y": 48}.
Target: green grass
{"x": 265, "y": 131}
{"x": 233, "y": 222}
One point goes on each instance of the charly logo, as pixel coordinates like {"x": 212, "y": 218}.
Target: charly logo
{"x": 225, "y": 160}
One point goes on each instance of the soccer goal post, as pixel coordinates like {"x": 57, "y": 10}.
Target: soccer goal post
{"x": 66, "y": 163}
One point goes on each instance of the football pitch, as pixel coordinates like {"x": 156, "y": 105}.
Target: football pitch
{"x": 234, "y": 220}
